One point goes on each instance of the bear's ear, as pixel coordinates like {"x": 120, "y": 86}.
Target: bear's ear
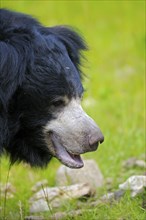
{"x": 73, "y": 42}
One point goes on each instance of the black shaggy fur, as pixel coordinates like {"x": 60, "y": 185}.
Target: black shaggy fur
{"x": 34, "y": 63}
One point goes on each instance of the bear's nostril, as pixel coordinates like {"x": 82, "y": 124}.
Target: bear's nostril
{"x": 94, "y": 146}
{"x": 94, "y": 140}
{"x": 101, "y": 139}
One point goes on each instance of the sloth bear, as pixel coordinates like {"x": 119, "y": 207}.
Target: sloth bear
{"x": 40, "y": 93}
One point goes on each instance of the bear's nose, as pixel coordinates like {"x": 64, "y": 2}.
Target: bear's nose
{"x": 95, "y": 139}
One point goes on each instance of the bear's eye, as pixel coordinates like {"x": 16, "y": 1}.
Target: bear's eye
{"x": 58, "y": 103}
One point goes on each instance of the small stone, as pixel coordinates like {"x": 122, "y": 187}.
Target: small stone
{"x": 108, "y": 183}
{"x": 109, "y": 180}
{"x": 39, "y": 206}
{"x": 134, "y": 183}
{"x": 90, "y": 174}
{"x": 134, "y": 162}
{"x": 34, "y": 218}
{"x": 140, "y": 163}
{"x": 39, "y": 185}
{"x": 8, "y": 187}
{"x": 109, "y": 197}
{"x": 67, "y": 215}
{"x": 7, "y": 190}
{"x": 8, "y": 195}
{"x": 118, "y": 194}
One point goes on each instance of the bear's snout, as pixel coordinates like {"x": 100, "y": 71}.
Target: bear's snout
{"x": 73, "y": 133}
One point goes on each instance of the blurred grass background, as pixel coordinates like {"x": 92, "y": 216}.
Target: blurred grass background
{"x": 115, "y": 93}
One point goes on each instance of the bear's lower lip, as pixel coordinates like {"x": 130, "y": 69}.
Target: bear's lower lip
{"x": 69, "y": 159}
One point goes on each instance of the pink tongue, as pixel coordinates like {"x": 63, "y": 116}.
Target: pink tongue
{"x": 68, "y": 159}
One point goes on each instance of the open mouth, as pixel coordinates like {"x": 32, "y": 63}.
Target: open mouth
{"x": 69, "y": 159}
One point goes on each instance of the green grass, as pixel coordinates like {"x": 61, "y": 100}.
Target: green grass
{"x": 115, "y": 98}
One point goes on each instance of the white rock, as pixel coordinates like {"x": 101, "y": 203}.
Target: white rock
{"x": 39, "y": 206}
{"x": 90, "y": 174}
{"x": 134, "y": 183}
{"x": 54, "y": 196}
